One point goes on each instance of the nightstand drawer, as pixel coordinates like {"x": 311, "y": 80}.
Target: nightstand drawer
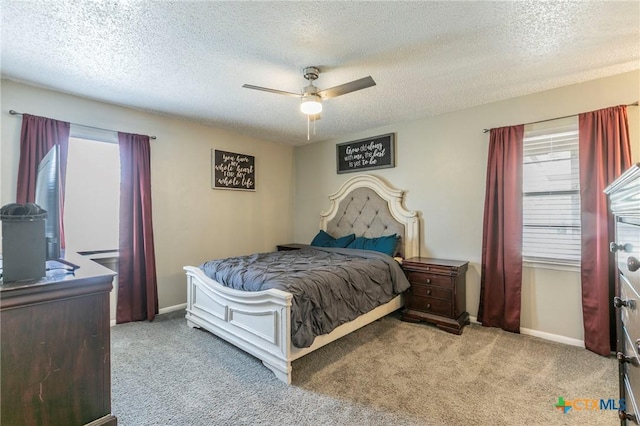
{"x": 430, "y": 305}
{"x": 431, "y": 279}
{"x": 431, "y": 291}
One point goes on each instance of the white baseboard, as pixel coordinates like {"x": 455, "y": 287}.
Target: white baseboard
{"x": 544, "y": 335}
{"x": 161, "y": 311}
{"x": 172, "y": 308}
{"x": 553, "y": 337}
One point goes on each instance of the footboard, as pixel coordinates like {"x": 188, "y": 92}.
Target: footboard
{"x": 256, "y": 322}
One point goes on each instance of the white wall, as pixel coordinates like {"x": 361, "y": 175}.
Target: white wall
{"x": 441, "y": 163}
{"x": 192, "y": 222}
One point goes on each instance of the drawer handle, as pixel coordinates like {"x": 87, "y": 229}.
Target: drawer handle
{"x": 428, "y": 305}
{"x": 633, "y": 264}
{"x": 623, "y": 415}
{"x": 428, "y": 280}
{"x": 613, "y": 247}
{"x": 428, "y": 292}
{"x": 622, "y": 358}
{"x": 619, "y": 303}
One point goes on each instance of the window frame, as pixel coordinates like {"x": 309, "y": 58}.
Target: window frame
{"x": 539, "y": 129}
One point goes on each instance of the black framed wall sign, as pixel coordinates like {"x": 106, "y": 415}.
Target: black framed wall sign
{"x": 230, "y": 170}
{"x": 364, "y": 154}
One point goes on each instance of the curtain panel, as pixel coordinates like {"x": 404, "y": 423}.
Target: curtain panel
{"x": 501, "y": 268}
{"x": 37, "y": 137}
{"x": 605, "y": 153}
{"x": 137, "y": 283}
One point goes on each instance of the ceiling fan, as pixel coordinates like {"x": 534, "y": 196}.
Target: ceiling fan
{"x": 312, "y": 97}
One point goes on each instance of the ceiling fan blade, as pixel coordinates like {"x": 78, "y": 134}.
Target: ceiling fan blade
{"x": 342, "y": 89}
{"x": 266, "y": 89}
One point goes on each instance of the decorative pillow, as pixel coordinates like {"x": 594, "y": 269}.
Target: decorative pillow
{"x": 322, "y": 239}
{"x": 386, "y": 244}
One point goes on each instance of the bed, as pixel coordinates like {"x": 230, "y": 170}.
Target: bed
{"x": 259, "y": 322}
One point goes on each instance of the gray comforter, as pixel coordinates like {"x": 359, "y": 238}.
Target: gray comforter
{"x": 330, "y": 286}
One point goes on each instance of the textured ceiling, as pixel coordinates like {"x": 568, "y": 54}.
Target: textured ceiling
{"x": 190, "y": 59}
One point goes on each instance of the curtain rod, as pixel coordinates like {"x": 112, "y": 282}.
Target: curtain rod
{"x": 12, "y": 112}
{"x": 557, "y": 118}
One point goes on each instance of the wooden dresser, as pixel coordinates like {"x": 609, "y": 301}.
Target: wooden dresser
{"x": 437, "y": 293}
{"x": 624, "y": 196}
{"x": 55, "y": 360}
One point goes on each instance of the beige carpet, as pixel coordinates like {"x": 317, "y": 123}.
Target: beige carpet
{"x": 389, "y": 372}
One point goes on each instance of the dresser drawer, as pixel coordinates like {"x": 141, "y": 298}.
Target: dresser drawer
{"x": 631, "y": 369}
{"x": 427, "y": 278}
{"x": 628, "y": 235}
{"x": 631, "y": 401}
{"x": 430, "y": 305}
{"x": 431, "y": 291}
{"x": 630, "y": 309}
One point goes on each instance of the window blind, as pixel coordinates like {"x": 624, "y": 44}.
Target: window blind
{"x": 551, "y": 195}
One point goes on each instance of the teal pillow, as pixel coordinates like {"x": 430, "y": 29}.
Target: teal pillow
{"x": 386, "y": 244}
{"x": 322, "y": 239}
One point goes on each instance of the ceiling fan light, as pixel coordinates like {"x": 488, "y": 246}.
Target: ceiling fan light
{"x": 311, "y": 105}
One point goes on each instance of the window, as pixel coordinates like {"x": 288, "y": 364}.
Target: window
{"x": 551, "y": 193}
{"x": 92, "y": 195}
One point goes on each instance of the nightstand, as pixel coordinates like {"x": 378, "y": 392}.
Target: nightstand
{"x": 291, "y": 246}
{"x": 437, "y": 293}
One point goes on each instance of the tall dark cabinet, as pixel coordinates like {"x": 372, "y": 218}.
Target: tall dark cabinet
{"x": 55, "y": 349}
{"x": 624, "y": 196}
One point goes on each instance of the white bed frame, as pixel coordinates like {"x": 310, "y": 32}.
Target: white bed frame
{"x": 259, "y": 322}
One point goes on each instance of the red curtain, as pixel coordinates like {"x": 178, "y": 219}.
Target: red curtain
{"x": 137, "y": 286}
{"x": 605, "y": 153}
{"x": 501, "y": 269}
{"x": 38, "y": 136}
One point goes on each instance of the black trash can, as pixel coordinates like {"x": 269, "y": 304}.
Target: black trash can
{"x": 24, "y": 253}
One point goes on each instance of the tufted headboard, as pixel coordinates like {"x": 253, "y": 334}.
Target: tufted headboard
{"x": 367, "y": 206}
